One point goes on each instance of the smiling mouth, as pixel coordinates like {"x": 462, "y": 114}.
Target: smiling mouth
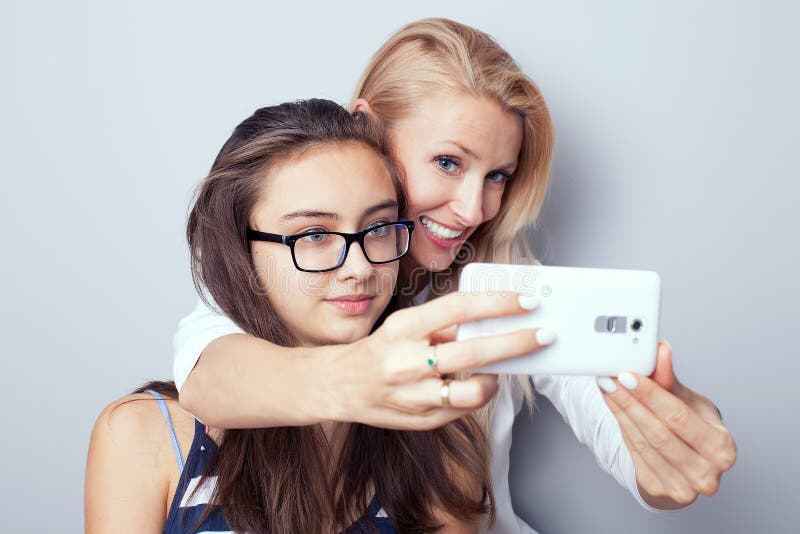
{"x": 440, "y": 231}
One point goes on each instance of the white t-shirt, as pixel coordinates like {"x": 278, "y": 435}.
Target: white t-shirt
{"x": 577, "y": 399}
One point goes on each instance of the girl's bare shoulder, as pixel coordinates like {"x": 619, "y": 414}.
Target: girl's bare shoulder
{"x": 131, "y": 469}
{"x": 135, "y": 423}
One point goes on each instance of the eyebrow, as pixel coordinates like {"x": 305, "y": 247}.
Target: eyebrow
{"x": 314, "y": 214}
{"x": 462, "y": 148}
{"x": 470, "y": 153}
{"x": 386, "y": 204}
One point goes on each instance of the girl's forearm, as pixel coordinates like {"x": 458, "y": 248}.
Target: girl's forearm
{"x": 241, "y": 381}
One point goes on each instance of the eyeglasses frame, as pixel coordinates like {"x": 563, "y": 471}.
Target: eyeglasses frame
{"x": 350, "y": 238}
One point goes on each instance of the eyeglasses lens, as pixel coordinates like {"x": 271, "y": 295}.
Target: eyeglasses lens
{"x": 319, "y": 252}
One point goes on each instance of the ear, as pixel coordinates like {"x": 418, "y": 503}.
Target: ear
{"x": 362, "y": 105}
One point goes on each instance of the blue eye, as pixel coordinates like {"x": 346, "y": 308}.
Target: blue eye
{"x": 498, "y": 177}
{"x": 315, "y": 239}
{"x": 446, "y": 163}
{"x": 311, "y": 236}
{"x": 379, "y": 231}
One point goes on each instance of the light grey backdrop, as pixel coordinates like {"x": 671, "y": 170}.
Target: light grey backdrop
{"x": 677, "y": 151}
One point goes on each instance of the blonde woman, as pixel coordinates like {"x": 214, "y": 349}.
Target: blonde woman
{"x": 473, "y": 138}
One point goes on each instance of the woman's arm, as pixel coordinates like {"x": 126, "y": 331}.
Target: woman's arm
{"x": 581, "y": 405}
{"x": 128, "y": 470}
{"x": 229, "y": 379}
{"x": 241, "y": 381}
{"x": 381, "y": 380}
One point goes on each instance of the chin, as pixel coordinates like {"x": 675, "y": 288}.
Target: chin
{"x": 347, "y": 333}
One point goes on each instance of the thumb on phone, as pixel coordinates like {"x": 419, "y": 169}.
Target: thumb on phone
{"x": 664, "y": 374}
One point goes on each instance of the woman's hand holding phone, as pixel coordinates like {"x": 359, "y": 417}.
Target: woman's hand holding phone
{"x": 679, "y": 446}
{"x": 392, "y": 378}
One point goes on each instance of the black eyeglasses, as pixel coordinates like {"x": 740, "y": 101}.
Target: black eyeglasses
{"x": 317, "y": 252}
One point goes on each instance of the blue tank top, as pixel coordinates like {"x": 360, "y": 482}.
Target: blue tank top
{"x": 189, "y": 502}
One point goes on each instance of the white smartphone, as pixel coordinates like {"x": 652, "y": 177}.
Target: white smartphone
{"x": 605, "y": 320}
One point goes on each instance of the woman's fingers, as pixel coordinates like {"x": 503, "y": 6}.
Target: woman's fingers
{"x": 470, "y": 393}
{"x": 654, "y": 473}
{"x": 436, "y": 315}
{"x": 419, "y": 421}
{"x": 419, "y": 360}
{"x": 702, "y": 476}
{"x": 468, "y": 354}
{"x": 444, "y": 335}
{"x": 425, "y": 396}
{"x": 406, "y": 355}
{"x": 663, "y": 374}
{"x": 712, "y": 442}
{"x": 650, "y": 435}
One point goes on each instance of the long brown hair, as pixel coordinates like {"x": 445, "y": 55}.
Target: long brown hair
{"x": 275, "y": 480}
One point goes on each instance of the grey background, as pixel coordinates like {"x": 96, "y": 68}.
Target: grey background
{"x": 676, "y": 152}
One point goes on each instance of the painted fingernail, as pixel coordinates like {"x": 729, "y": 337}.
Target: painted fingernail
{"x": 528, "y": 302}
{"x": 545, "y": 336}
{"x": 628, "y": 380}
{"x": 606, "y": 384}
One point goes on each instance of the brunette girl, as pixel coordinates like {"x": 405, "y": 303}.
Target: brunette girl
{"x": 296, "y": 236}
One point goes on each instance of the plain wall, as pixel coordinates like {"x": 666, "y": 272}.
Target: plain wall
{"x": 677, "y": 146}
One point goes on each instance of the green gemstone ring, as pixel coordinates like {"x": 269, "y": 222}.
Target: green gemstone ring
{"x": 432, "y": 361}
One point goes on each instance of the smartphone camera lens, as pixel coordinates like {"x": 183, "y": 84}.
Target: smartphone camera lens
{"x": 636, "y": 325}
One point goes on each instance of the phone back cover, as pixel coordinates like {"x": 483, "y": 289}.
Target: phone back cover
{"x": 592, "y": 312}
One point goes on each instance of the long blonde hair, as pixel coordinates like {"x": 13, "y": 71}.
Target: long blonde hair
{"x": 435, "y": 55}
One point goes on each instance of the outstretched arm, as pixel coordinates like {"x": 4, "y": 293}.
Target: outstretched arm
{"x": 241, "y": 381}
{"x": 381, "y": 380}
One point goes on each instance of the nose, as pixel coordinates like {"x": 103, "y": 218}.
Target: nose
{"x": 468, "y": 203}
{"x": 356, "y": 265}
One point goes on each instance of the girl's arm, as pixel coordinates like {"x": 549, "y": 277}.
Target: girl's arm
{"x": 382, "y": 380}
{"x": 128, "y": 469}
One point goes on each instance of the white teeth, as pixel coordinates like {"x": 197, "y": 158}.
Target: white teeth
{"x": 439, "y": 230}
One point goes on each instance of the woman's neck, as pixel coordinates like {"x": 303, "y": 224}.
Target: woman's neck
{"x": 412, "y": 279}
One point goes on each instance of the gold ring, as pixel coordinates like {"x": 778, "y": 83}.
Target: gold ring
{"x": 432, "y": 361}
{"x": 445, "y": 392}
